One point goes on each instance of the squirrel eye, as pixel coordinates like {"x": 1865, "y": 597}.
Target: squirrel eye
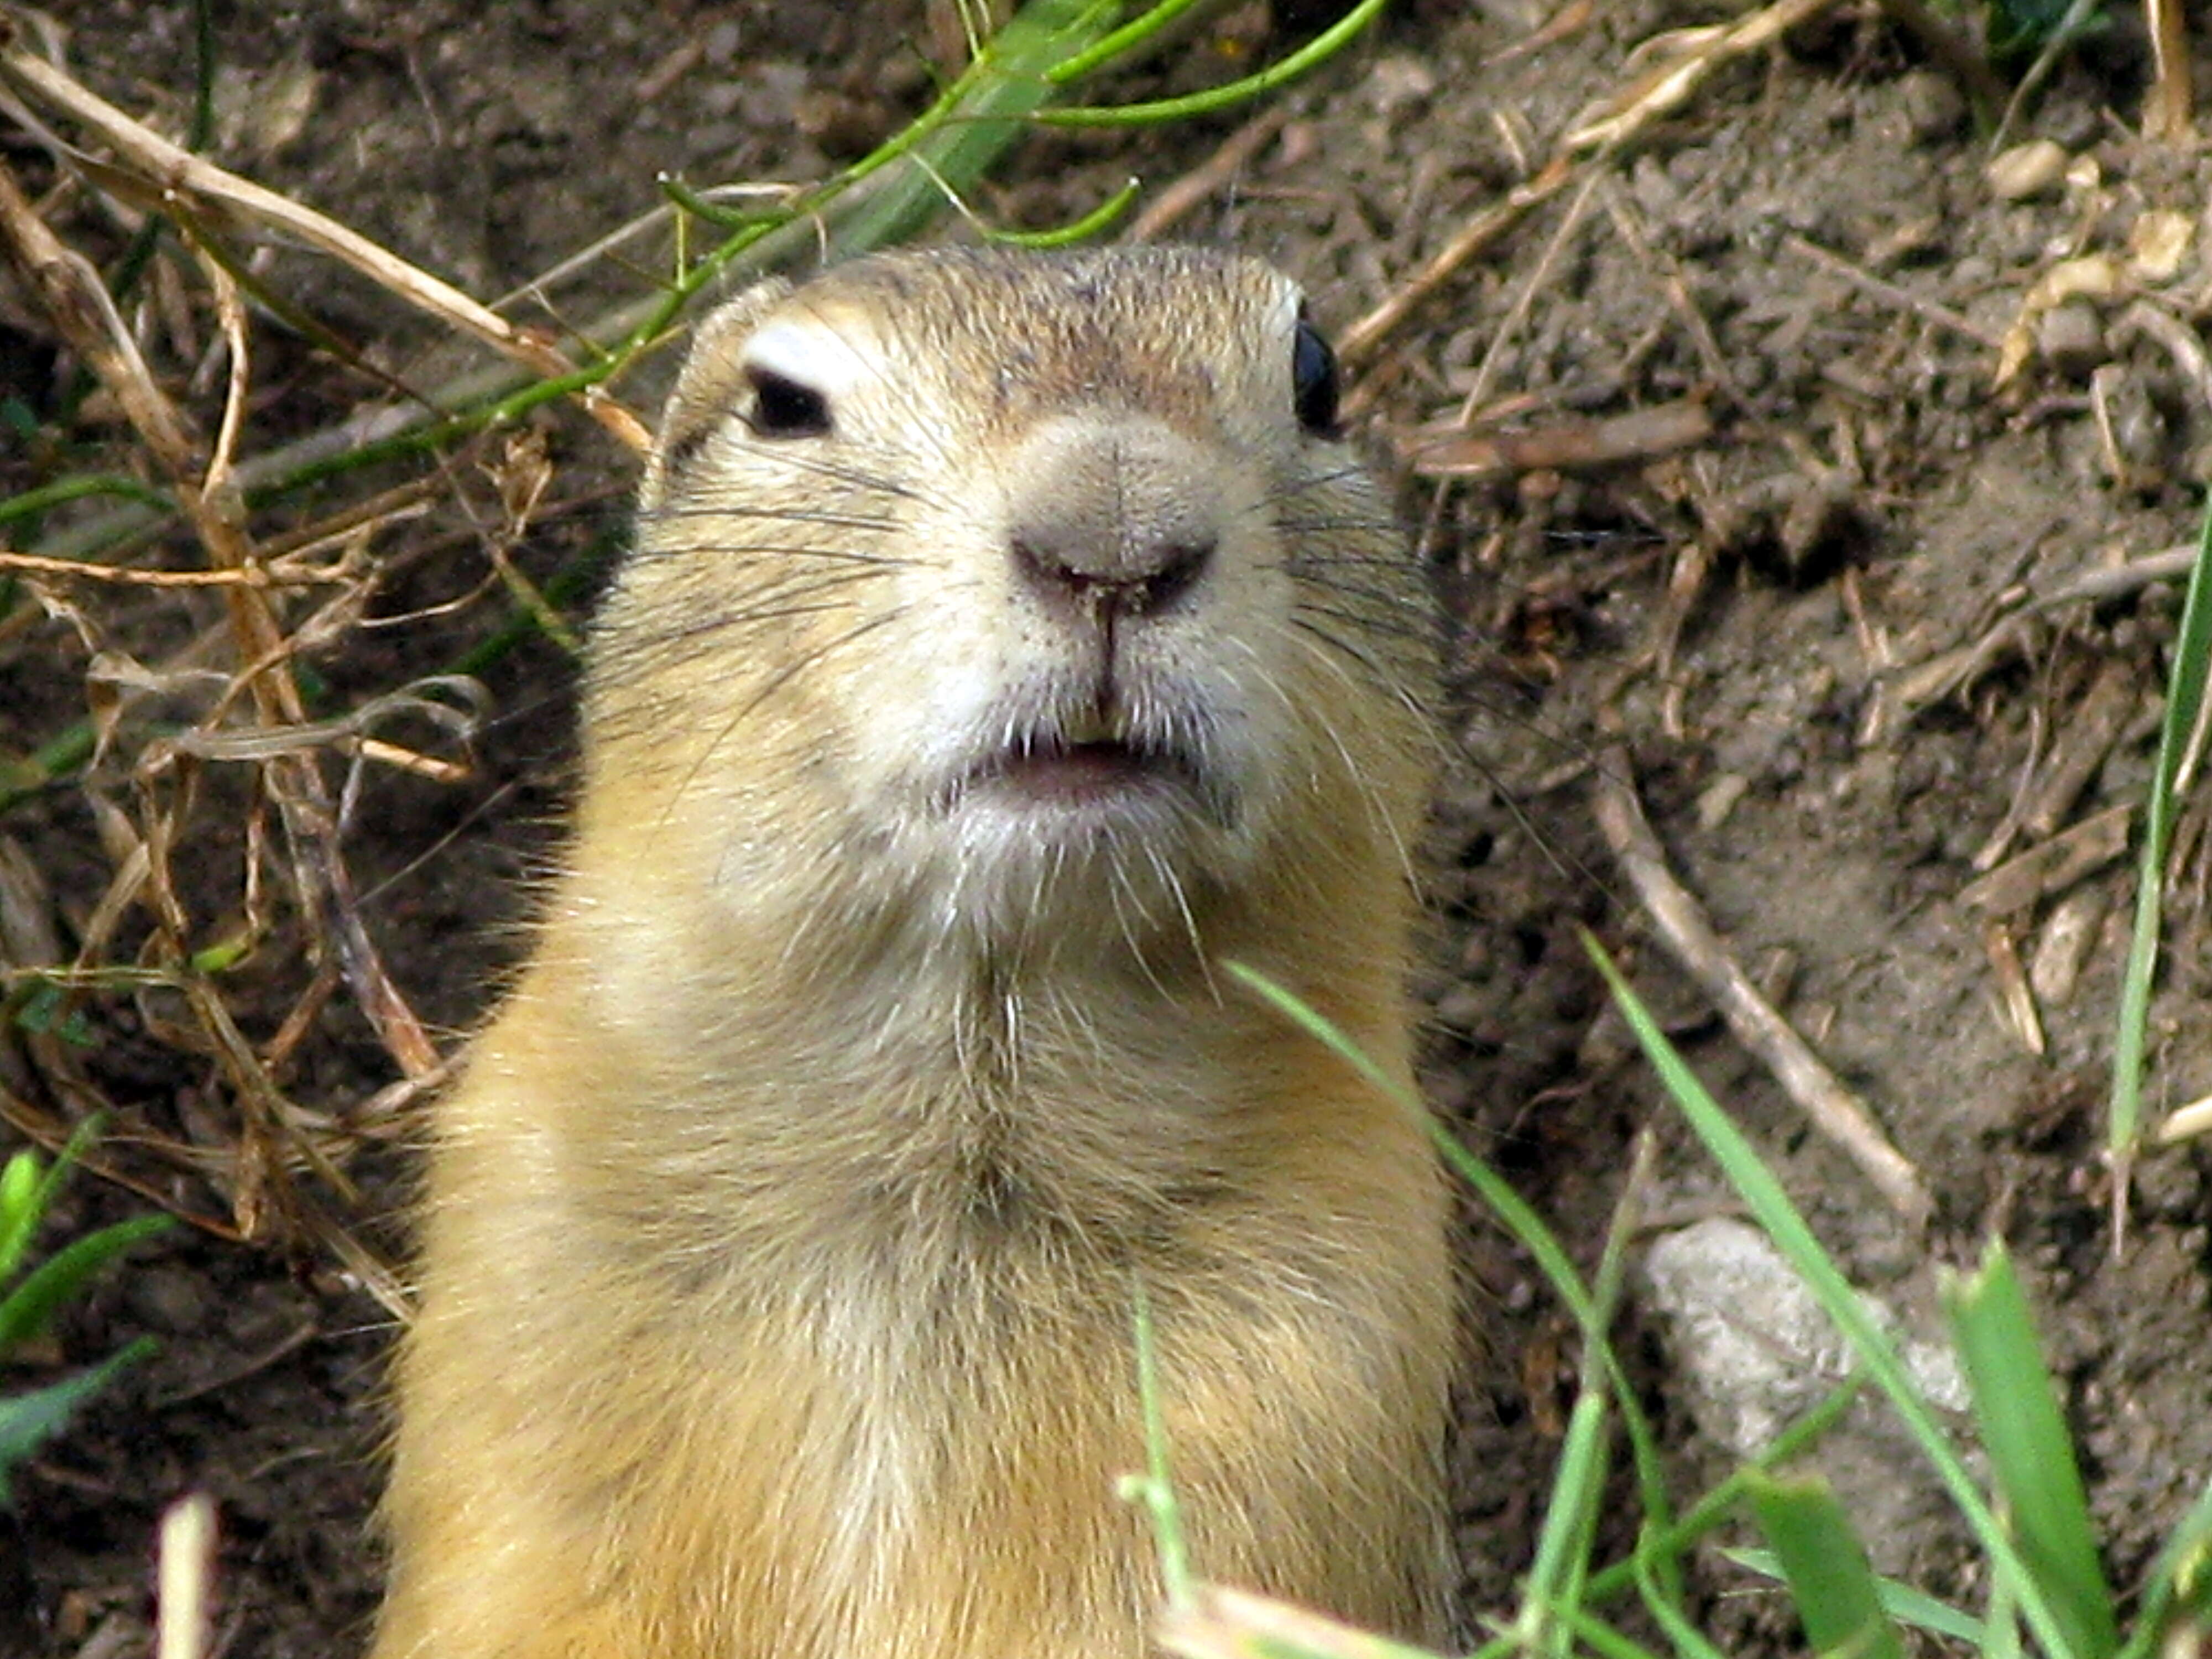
{"x": 1313, "y": 381}
{"x": 783, "y": 408}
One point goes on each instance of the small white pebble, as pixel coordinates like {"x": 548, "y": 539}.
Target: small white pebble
{"x": 2035, "y": 168}
{"x": 1400, "y": 86}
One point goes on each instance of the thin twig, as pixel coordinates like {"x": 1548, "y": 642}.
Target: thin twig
{"x": 1662, "y": 265}
{"x": 1570, "y": 19}
{"x": 1834, "y": 1110}
{"x": 1903, "y": 298}
{"x": 1364, "y": 336}
{"x": 325, "y": 885}
{"x": 1641, "y": 435}
{"x": 1683, "y": 59}
{"x": 2117, "y": 581}
{"x": 1692, "y": 54}
{"x": 1516, "y": 314}
{"x": 1177, "y": 202}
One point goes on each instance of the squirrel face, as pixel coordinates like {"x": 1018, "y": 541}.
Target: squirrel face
{"x": 1026, "y": 591}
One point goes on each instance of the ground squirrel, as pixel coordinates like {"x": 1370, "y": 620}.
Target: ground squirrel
{"x": 1010, "y": 640}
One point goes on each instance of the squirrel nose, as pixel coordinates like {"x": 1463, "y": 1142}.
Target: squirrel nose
{"x": 1113, "y": 516}
{"x": 1133, "y": 574}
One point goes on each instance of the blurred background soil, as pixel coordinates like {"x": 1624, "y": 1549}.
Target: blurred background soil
{"x": 1791, "y": 487}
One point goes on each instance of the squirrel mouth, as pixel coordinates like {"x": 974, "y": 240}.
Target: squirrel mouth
{"x": 1054, "y": 772}
{"x": 1048, "y": 771}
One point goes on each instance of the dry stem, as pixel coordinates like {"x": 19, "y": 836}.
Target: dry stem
{"x": 166, "y": 178}
{"x": 1834, "y": 1110}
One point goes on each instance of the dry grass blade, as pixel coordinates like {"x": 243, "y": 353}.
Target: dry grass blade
{"x": 69, "y": 289}
{"x": 2172, "y": 99}
{"x": 38, "y": 564}
{"x": 1218, "y": 1622}
{"x": 259, "y": 1188}
{"x": 162, "y": 176}
{"x": 187, "y": 1574}
{"x": 1890, "y": 293}
{"x": 1679, "y": 62}
{"x": 1365, "y": 336}
{"x": 81, "y": 310}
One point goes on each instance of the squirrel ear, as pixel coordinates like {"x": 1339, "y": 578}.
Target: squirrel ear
{"x": 710, "y": 382}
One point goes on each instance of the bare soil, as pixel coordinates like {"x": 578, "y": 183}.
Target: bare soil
{"x": 1810, "y": 249}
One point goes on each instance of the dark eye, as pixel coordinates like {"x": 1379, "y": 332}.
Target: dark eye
{"x": 783, "y": 408}
{"x": 1313, "y": 381}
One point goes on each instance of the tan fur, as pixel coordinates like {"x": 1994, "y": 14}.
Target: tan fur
{"x": 782, "y": 1241}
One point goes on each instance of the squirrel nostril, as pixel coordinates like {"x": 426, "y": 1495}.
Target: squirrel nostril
{"x": 1180, "y": 567}
{"x": 1133, "y": 578}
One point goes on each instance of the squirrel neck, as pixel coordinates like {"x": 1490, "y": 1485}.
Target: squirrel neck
{"x": 1092, "y": 1083}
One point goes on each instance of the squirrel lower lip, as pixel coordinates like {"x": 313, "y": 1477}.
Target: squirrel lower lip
{"x": 1080, "y": 775}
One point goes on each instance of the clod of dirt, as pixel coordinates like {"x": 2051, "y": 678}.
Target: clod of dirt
{"x": 2071, "y": 338}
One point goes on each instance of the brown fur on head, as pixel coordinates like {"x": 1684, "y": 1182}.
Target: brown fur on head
{"x": 831, "y": 633}
{"x": 1008, "y": 641}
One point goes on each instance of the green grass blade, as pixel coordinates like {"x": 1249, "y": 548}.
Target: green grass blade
{"x": 1651, "y": 1475}
{"x": 1922, "y": 1611}
{"x": 1902, "y": 1603}
{"x": 1770, "y": 1207}
{"x": 2030, "y": 1452}
{"x": 1689, "y": 1642}
{"x": 1314, "y": 52}
{"x": 1120, "y": 42}
{"x": 1510, "y": 1207}
{"x": 53, "y": 1281}
{"x": 1825, "y": 1565}
{"x": 985, "y": 113}
{"x": 1154, "y": 1490}
{"x": 1652, "y": 1566}
{"x": 26, "y": 1192}
{"x": 2184, "y": 697}
{"x": 1591, "y": 1310}
{"x": 32, "y": 502}
{"x": 1076, "y": 230}
{"x": 1552, "y": 1595}
{"x": 27, "y": 1421}
{"x": 1605, "y": 1641}
{"x": 1650, "y": 1570}
{"x": 20, "y": 1210}
{"x": 2002, "y": 1638}
{"x": 2180, "y": 1578}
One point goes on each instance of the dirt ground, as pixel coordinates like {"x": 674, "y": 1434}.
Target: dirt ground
{"x": 1829, "y": 610}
